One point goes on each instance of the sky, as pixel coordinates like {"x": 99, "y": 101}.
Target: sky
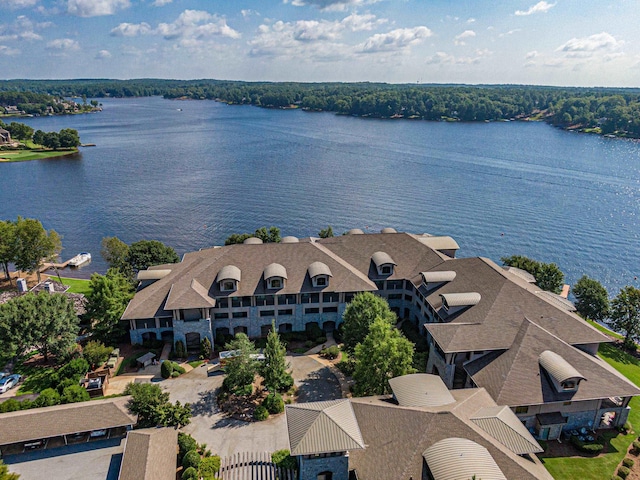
{"x": 557, "y": 42}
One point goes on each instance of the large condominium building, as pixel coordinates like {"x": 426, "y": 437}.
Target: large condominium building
{"x": 487, "y": 326}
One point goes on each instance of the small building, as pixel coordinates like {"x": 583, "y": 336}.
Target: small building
{"x": 5, "y": 136}
{"x": 150, "y": 454}
{"x": 61, "y": 425}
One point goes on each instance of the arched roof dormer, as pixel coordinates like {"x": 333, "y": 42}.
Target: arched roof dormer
{"x": 275, "y": 275}
{"x": 319, "y": 273}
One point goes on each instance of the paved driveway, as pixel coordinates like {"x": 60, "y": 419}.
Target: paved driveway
{"x": 86, "y": 461}
{"x": 226, "y": 436}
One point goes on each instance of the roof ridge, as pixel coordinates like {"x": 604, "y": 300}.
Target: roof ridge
{"x": 502, "y": 409}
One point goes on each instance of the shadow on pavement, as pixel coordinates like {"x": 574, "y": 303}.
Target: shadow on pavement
{"x": 59, "y": 451}
{"x": 206, "y": 404}
{"x": 114, "y": 466}
{"x": 319, "y": 385}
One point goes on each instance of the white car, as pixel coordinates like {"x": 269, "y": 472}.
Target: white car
{"x": 7, "y": 383}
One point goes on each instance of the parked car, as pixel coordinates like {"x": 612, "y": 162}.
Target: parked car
{"x": 7, "y": 383}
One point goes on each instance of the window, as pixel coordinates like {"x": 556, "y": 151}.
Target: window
{"x": 310, "y": 298}
{"x": 386, "y": 270}
{"x": 311, "y": 310}
{"x": 349, "y": 296}
{"x": 521, "y": 410}
{"x": 287, "y": 299}
{"x": 330, "y": 297}
{"x": 408, "y": 298}
{"x": 240, "y": 302}
{"x": 275, "y": 283}
{"x": 329, "y": 309}
{"x": 569, "y": 385}
{"x": 267, "y": 313}
{"x": 191, "y": 314}
{"x": 145, "y": 323}
{"x": 222, "y": 302}
{"x": 379, "y": 284}
{"x": 325, "y": 476}
{"x": 239, "y": 314}
{"x": 286, "y": 311}
{"x": 227, "y": 285}
{"x": 166, "y": 323}
{"x": 220, "y": 316}
{"x": 395, "y": 296}
{"x": 321, "y": 281}
{"x": 395, "y": 284}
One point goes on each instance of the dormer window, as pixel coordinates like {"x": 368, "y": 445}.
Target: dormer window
{"x": 275, "y": 276}
{"x": 563, "y": 376}
{"x": 384, "y": 263}
{"x": 437, "y": 279}
{"x": 319, "y": 274}
{"x": 228, "y": 278}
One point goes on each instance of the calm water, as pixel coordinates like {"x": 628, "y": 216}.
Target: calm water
{"x": 190, "y": 173}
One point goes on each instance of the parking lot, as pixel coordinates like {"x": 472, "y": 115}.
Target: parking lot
{"x": 226, "y": 436}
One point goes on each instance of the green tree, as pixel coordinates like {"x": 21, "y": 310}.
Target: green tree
{"x": 548, "y": 276}
{"x": 241, "y": 369}
{"x": 115, "y": 251}
{"x": 38, "y": 137}
{"x": 51, "y": 140}
{"x": 47, "y": 398}
{"x": 275, "y": 369}
{"x": 205, "y": 348}
{"x": 45, "y": 321}
{"x": 146, "y": 253}
{"x": 236, "y": 238}
{"x": 360, "y": 314}
{"x": 326, "y": 232}
{"x": 385, "y": 353}
{"x": 153, "y": 407}
{"x": 272, "y": 235}
{"x": 209, "y": 466}
{"x": 20, "y": 131}
{"x": 74, "y": 394}
{"x": 106, "y": 302}
{"x": 4, "y": 473}
{"x": 34, "y": 245}
{"x": 96, "y": 353}
{"x": 7, "y": 245}
{"x": 592, "y": 299}
{"x": 625, "y": 314}
{"x": 69, "y": 138}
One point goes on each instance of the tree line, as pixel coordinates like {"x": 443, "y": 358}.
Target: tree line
{"x": 65, "y": 138}
{"x": 603, "y": 110}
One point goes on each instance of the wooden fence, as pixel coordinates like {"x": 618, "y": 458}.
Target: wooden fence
{"x": 253, "y": 466}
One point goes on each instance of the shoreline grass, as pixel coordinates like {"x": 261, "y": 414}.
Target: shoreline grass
{"x": 25, "y": 155}
{"x": 77, "y": 285}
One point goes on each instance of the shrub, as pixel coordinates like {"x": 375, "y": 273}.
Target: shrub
{"x": 273, "y": 403}
{"x": 76, "y": 368}
{"x": 67, "y": 382}
{"x": 347, "y": 367}
{"x": 180, "y": 350}
{"x": 636, "y": 447}
{"x": 166, "y": 369}
{"x": 175, "y": 374}
{"x": 186, "y": 443}
{"x": 244, "y": 391}
{"x": 283, "y": 459}
{"x": 209, "y": 467}
{"x": 309, "y": 344}
{"x": 623, "y": 472}
{"x": 190, "y": 474}
{"x": 260, "y": 413}
{"x": 616, "y": 477}
{"x": 11, "y": 405}
{"x": 321, "y": 339}
{"x": 205, "y": 349}
{"x": 74, "y": 394}
{"x": 331, "y": 352}
{"x": 191, "y": 459}
{"x": 592, "y": 448}
{"x": 313, "y": 331}
{"x": 47, "y": 398}
{"x": 177, "y": 368}
{"x": 96, "y": 353}
{"x": 628, "y": 462}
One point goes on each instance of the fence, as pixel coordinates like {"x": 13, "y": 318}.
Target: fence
{"x": 253, "y": 466}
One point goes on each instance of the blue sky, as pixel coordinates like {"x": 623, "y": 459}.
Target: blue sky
{"x": 556, "y": 42}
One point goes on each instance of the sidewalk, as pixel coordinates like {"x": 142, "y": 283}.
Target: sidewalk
{"x": 315, "y": 354}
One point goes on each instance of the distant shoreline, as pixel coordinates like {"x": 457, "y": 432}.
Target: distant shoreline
{"x": 14, "y": 156}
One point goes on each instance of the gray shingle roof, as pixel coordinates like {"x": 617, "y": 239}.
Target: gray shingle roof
{"x": 150, "y": 454}
{"x": 47, "y": 422}
{"x": 322, "y": 427}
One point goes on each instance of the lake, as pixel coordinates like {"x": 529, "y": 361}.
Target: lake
{"x": 190, "y": 173}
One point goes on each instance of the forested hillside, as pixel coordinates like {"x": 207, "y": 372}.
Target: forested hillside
{"x": 599, "y": 110}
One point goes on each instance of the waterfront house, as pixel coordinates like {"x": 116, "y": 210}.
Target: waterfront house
{"x": 486, "y": 326}
{"x": 5, "y": 136}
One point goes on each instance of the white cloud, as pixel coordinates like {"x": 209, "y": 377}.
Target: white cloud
{"x": 442, "y": 58}
{"x": 103, "y": 55}
{"x": 471, "y": 20}
{"x": 356, "y": 23}
{"x": 131, "y": 29}
{"x": 22, "y": 28}
{"x": 600, "y": 42}
{"x": 397, "y": 40}
{"x": 459, "y": 39}
{"x": 63, "y": 45}
{"x": 17, "y": 4}
{"x": 95, "y": 8}
{"x": 8, "y": 51}
{"x": 249, "y": 12}
{"x": 331, "y": 5}
{"x": 510, "y": 32}
{"x": 540, "y": 7}
{"x": 161, "y": 3}
{"x": 531, "y": 54}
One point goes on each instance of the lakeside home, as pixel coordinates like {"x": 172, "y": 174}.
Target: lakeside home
{"x": 487, "y": 326}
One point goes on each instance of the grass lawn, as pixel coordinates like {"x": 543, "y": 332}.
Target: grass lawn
{"x": 605, "y": 330}
{"x": 23, "y": 155}
{"x": 603, "y": 466}
{"x": 195, "y": 363}
{"x": 77, "y": 285}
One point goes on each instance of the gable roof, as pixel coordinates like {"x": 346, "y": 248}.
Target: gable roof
{"x": 322, "y": 427}
{"x": 502, "y": 424}
{"x": 150, "y": 454}
{"x": 514, "y": 377}
{"x": 47, "y": 422}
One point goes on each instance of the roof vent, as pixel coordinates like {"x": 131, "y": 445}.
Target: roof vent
{"x": 388, "y": 230}
{"x": 289, "y": 239}
{"x": 252, "y": 241}
{"x": 355, "y": 231}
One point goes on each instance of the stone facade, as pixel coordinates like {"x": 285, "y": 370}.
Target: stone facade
{"x": 310, "y": 467}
